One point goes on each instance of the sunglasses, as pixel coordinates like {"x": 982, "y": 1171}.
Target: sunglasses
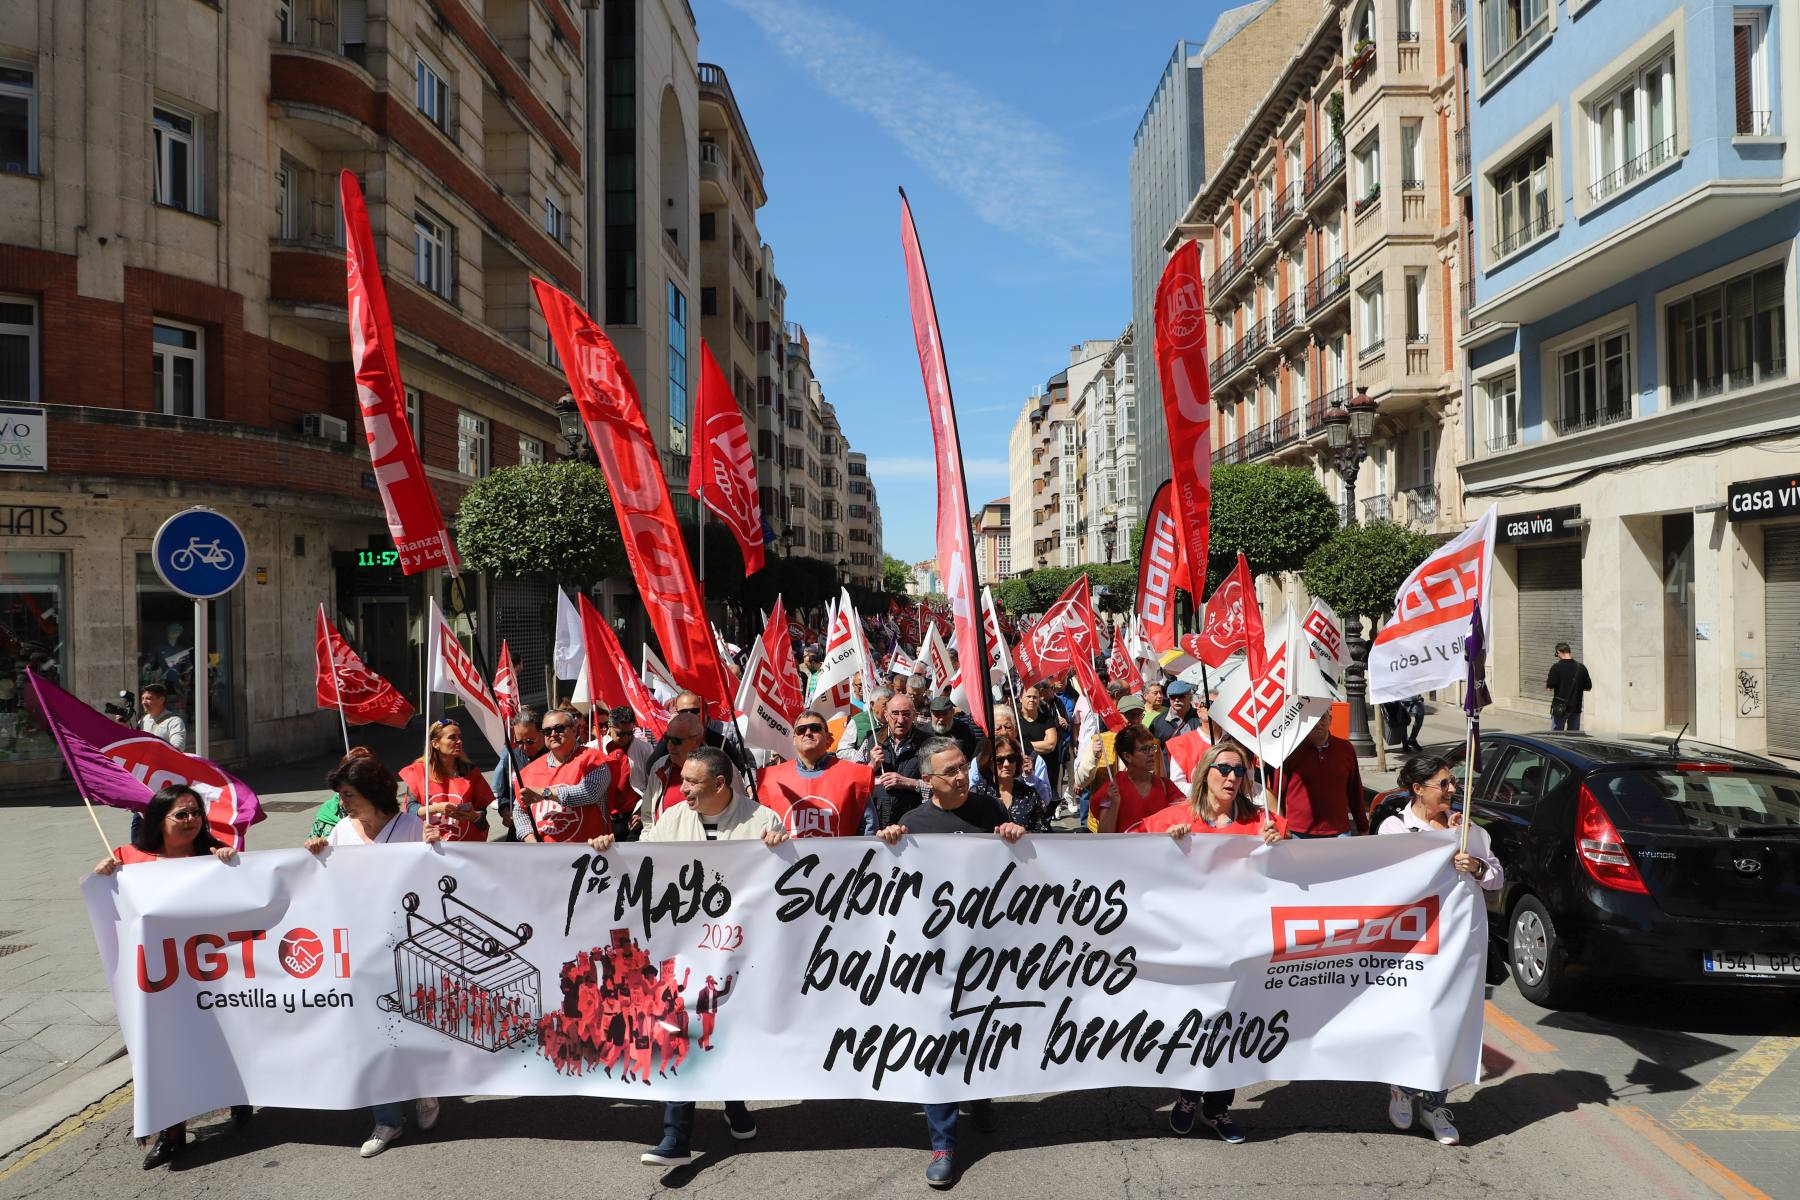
{"x": 1225, "y": 770}
{"x": 553, "y": 730}
{"x": 186, "y": 814}
{"x": 1002, "y": 759}
{"x": 800, "y": 730}
{"x": 693, "y": 711}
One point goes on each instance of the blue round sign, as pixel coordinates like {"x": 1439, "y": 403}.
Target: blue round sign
{"x": 200, "y": 553}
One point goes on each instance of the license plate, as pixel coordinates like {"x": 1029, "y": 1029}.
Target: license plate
{"x": 1729, "y": 962}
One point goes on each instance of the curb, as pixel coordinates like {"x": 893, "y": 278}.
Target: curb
{"x": 21, "y": 1129}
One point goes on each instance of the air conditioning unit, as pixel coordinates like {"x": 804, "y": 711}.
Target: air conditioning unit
{"x": 324, "y": 425}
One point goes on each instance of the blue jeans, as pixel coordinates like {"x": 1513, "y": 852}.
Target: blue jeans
{"x": 391, "y": 1114}
{"x": 1570, "y": 721}
{"x": 941, "y": 1120}
{"x": 678, "y": 1119}
{"x": 1425, "y": 1099}
{"x": 1082, "y": 820}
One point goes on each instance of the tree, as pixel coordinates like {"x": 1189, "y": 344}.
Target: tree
{"x": 542, "y": 518}
{"x": 1276, "y": 516}
{"x": 1361, "y": 568}
{"x": 896, "y": 576}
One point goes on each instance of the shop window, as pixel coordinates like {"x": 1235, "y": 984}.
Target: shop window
{"x": 165, "y": 651}
{"x": 34, "y": 596}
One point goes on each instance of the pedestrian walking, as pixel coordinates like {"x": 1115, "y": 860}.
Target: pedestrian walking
{"x": 1568, "y": 682}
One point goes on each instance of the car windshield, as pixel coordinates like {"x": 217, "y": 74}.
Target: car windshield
{"x": 1711, "y": 801}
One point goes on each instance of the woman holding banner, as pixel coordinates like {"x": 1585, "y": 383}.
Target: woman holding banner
{"x": 456, "y": 797}
{"x": 1219, "y": 802}
{"x": 371, "y": 798}
{"x": 173, "y": 826}
{"x": 1427, "y": 779}
{"x": 1026, "y": 800}
{"x": 1136, "y": 788}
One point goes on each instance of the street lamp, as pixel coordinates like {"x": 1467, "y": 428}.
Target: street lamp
{"x": 1347, "y": 433}
{"x": 569, "y": 428}
{"x": 1109, "y": 532}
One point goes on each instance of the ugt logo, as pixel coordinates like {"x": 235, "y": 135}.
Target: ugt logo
{"x": 207, "y": 957}
{"x": 1318, "y": 931}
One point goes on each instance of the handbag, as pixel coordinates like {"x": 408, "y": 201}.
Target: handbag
{"x": 1559, "y": 708}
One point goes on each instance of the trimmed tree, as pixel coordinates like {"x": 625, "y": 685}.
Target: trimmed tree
{"x": 1361, "y": 568}
{"x": 552, "y": 518}
{"x": 1276, "y": 516}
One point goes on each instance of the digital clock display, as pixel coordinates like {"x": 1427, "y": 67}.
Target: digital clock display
{"x": 377, "y": 558}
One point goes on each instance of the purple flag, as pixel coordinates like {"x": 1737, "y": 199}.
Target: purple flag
{"x": 117, "y": 765}
{"x": 1475, "y": 688}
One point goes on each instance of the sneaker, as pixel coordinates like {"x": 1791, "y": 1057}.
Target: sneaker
{"x": 1400, "y": 1108}
{"x": 741, "y": 1123}
{"x": 1181, "y": 1117}
{"x": 667, "y": 1153}
{"x": 380, "y": 1140}
{"x": 428, "y": 1114}
{"x": 942, "y": 1171}
{"x": 1225, "y": 1127}
{"x": 1437, "y": 1120}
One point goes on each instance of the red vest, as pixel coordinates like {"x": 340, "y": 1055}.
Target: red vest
{"x": 554, "y": 822}
{"x": 470, "y": 789}
{"x": 828, "y": 805}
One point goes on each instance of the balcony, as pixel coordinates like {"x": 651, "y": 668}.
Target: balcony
{"x": 1362, "y": 61}
{"x": 1462, "y": 159}
{"x": 1226, "y": 455}
{"x": 1287, "y": 207}
{"x": 1459, "y": 19}
{"x": 1326, "y": 171}
{"x": 1623, "y": 176}
{"x": 1755, "y": 123}
{"x": 1422, "y": 506}
{"x": 1501, "y": 442}
{"x": 1317, "y": 408}
{"x": 1282, "y": 321}
{"x": 1376, "y": 508}
{"x": 1284, "y": 430}
{"x": 1239, "y": 355}
{"x": 1217, "y": 283}
{"x": 1327, "y": 288}
{"x": 1582, "y": 417}
{"x": 715, "y": 173}
{"x": 1367, "y": 203}
{"x": 1418, "y": 354}
{"x": 1525, "y": 234}
{"x": 1262, "y": 246}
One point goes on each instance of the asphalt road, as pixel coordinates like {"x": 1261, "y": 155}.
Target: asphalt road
{"x": 1644, "y": 1095}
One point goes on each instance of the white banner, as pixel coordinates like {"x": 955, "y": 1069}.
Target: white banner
{"x": 943, "y": 968}
{"x": 1271, "y": 713}
{"x": 1420, "y": 648}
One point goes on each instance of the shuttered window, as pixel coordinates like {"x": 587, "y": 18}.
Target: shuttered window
{"x": 1750, "y": 90}
{"x": 1781, "y": 620}
{"x": 1549, "y": 611}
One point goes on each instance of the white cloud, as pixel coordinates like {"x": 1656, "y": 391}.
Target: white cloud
{"x": 1016, "y": 174}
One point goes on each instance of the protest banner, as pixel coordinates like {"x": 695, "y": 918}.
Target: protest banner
{"x": 937, "y": 969}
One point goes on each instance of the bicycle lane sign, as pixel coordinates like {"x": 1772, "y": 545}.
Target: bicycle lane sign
{"x": 200, "y": 553}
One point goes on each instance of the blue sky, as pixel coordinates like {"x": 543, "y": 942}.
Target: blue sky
{"x": 1009, "y": 125}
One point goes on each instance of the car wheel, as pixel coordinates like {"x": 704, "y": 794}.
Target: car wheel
{"x": 1539, "y": 968}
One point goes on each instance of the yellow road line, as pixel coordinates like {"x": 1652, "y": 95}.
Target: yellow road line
{"x": 68, "y": 1129}
{"x": 1714, "y": 1107}
{"x": 1702, "y": 1166}
{"x": 1515, "y": 1032}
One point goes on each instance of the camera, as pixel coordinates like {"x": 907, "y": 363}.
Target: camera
{"x": 122, "y": 711}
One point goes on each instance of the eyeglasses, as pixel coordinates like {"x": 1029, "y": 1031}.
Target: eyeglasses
{"x": 1223, "y": 769}
{"x": 186, "y": 814}
{"x": 1004, "y": 759}
{"x": 952, "y": 773}
{"x": 1448, "y": 785}
{"x": 691, "y": 711}
{"x": 553, "y": 730}
{"x": 807, "y": 730}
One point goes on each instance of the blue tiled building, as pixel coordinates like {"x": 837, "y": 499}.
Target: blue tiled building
{"x": 1631, "y": 400}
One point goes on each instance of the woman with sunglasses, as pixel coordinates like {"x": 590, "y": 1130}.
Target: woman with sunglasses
{"x": 456, "y": 797}
{"x": 1432, "y": 809}
{"x": 1027, "y": 800}
{"x": 173, "y": 826}
{"x": 1219, "y": 802}
{"x": 1135, "y": 787}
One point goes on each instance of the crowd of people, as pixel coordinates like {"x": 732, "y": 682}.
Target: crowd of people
{"x": 909, "y": 763}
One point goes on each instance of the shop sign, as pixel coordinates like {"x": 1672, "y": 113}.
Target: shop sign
{"x": 24, "y": 440}
{"x": 1764, "y": 499}
{"x": 32, "y": 520}
{"x": 1545, "y": 525}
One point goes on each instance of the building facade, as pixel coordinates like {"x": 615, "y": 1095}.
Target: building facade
{"x": 862, "y": 510}
{"x": 993, "y": 541}
{"x": 1635, "y": 407}
{"x": 1107, "y": 468}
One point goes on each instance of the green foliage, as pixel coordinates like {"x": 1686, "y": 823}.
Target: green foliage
{"x": 1361, "y": 568}
{"x": 1035, "y": 591}
{"x": 1013, "y": 595}
{"x": 551, "y": 518}
{"x": 896, "y": 576}
{"x": 1275, "y": 516}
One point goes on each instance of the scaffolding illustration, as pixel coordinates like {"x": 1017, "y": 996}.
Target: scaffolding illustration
{"x": 461, "y": 975}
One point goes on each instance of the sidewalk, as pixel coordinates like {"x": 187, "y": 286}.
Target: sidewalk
{"x": 1443, "y": 723}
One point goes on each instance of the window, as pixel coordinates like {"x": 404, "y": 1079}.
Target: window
{"x": 284, "y": 21}
{"x": 34, "y": 599}
{"x": 531, "y": 451}
{"x": 556, "y": 220}
{"x": 178, "y": 359}
{"x": 165, "y": 651}
{"x": 552, "y": 359}
{"x": 1729, "y": 336}
{"x": 1509, "y": 29}
{"x": 1369, "y": 309}
{"x": 176, "y": 158}
{"x": 1631, "y": 129}
{"x": 709, "y": 227}
{"x": 1409, "y": 24}
{"x": 415, "y": 417}
{"x": 471, "y": 444}
{"x": 1415, "y": 307}
{"x": 1412, "y": 157}
{"x": 353, "y": 29}
{"x": 678, "y": 371}
{"x": 18, "y": 350}
{"x": 1595, "y": 382}
{"x": 1297, "y": 386}
{"x": 287, "y": 201}
{"x": 709, "y": 302}
{"x": 18, "y": 119}
{"x": 1368, "y": 169}
{"x": 1750, "y": 68}
{"x": 1500, "y": 396}
{"x": 431, "y": 253}
{"x": 1426, "y": 466}
{"x": 431, "y": 92}
{"x": 1363, "y": 23}
{"x": 1523, "y": 210}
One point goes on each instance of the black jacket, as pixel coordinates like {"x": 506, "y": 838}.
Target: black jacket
{"x": 902, "y": 759}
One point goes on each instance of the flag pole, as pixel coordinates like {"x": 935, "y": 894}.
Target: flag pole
{"x": 337, "y": 686}
{"x": 103, "y": 838}
{"x": 1468, "y": 813}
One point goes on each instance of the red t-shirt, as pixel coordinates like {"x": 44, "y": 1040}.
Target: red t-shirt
{"x": 1181, "y": 813}
{"x": 1135, "y": 805}
{"x": 829, "y": 804}
{"x": 470, "y": 789}
{"x": 555, "y": 823}
{"x": 131, "y": 854}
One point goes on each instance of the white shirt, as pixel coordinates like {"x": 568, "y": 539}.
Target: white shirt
{"x": 169, "y": 727}
{"x": 402, "y": 827}
{"x": 1408, "y": 821}
{"x": 639, "y": 755}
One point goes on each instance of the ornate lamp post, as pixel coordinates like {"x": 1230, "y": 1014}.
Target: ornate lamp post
{"x": 569, "y": 428}
{"x": 1347, "y": 433}
{"x": 1109, "y": 532}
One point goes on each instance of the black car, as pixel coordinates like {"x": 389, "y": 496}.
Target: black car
{"x": 1642, "y": 858}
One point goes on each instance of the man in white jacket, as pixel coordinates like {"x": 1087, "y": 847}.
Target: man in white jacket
{"x": 713, "y": 812}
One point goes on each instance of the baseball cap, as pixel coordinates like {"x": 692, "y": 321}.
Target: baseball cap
{"x": 1133, "y": 703}
{"x": 1180, "y": 687}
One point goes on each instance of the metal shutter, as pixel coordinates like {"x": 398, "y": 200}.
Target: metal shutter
{"x": 525, "y": 618}
{"x": 1781, "y": 629}
{"x": 1549, "y": 611}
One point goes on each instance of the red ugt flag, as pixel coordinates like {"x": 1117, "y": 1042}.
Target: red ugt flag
{"x": 1187, "y": 403}
{"x": 506, "y": 685}
{"x": 1066, "y": 633}
{"x": 1160, "y": 571}
{"x": 723, "y": 475}
{"x": 415, "y": 521}
{"x": 1233, "y": 622}
{"x": 342, "y": 679}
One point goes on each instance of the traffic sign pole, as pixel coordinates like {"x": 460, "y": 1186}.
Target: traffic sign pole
{"x": 200, "y": 554}
{"x": 202, "y": 677}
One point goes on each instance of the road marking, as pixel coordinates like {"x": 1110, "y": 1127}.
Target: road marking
{"x": 104, "y": 1107}
{"x": 1714, "y": 1107}
{"x": 1702, "y": 1166}
{"x": 1515, "y": 1032}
